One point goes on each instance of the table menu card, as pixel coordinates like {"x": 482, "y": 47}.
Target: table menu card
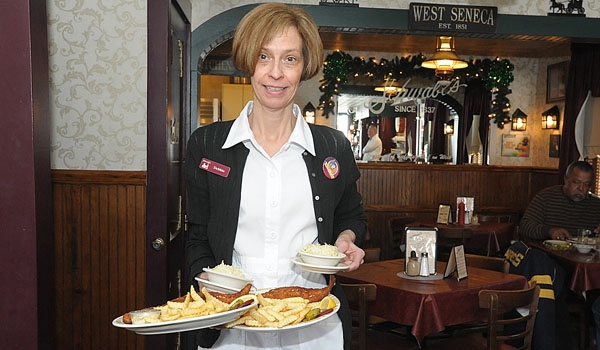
{"x": 444, "y": 214}
{"x": 457, "y": 262}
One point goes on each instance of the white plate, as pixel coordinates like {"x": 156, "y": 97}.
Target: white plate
{"x": 329, "y": 270}
{"x": 182, "y": 325}
{"x": 295, "y": 326}
{"x": 215, "y": 287}
{"x": 557, "y": 244}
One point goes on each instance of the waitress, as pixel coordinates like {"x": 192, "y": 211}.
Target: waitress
{"x": 262, "y": 186}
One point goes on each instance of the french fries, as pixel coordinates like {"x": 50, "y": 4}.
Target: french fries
{"x": 192, "y": 306}
{"x": 276, "y": 313}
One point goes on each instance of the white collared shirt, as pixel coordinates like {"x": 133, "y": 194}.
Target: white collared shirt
{"x": 276, "y": 220}
{"x": 276, "y": 211}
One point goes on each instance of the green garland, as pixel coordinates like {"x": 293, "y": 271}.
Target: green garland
{"x": 339, "y": 67}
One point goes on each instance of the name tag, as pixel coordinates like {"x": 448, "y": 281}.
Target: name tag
{"x": 213, "y": 167}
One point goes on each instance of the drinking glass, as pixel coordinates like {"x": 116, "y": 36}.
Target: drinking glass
{"x": 583, "y": 234}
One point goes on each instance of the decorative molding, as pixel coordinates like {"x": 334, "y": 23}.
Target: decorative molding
{"x": 99, "y": 177}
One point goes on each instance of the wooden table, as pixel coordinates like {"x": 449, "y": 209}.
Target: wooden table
{"x": 429, "y": 306}
{"x": 491, "y": 238}
{"x": 583, "y": 269}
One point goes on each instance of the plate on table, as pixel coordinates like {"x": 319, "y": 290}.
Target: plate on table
{"x": 295, "y": 326}
{"x": 184, "y": 324}
{"x": 588, "y": 240}
{"x": 216, "y": 287}
{"x": 329, "y": 270}
{"x": 556, "y": 244}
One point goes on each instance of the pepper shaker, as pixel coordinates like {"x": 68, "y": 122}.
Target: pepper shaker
{"x": 424, "y": 265}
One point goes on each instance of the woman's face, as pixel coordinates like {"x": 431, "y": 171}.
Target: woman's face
{"x": 278, "y": 70}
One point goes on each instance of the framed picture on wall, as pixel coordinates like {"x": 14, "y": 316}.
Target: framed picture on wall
{"x": 556, "y": 81}
{"x": 554, "y": 146}
{"x": 515, "y": 145}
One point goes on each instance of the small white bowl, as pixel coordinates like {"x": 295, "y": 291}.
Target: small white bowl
{"x": 583, "y": 248}
{"x": 227, "y": 280}
{"x": 321, "y": 260}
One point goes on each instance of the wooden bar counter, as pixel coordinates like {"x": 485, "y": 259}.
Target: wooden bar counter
{"x": 395, "y": 189}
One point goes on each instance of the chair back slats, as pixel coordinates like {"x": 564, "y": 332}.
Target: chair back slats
{"x": 487, "y": 262}
{"x": 359, "y": 295}
{"x": 499, "y": 303}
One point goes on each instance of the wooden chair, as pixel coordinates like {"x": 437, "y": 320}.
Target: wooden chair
{"x": 396, "y": 226}
{"x": 493, "y": 218}
{"x": 500, "y": 329}
{"x": 372, "y": 254}
{"x": 580, "y": 311}
{"x": 487, "y": 262}
{"x": 359, "y": 295}
{"x": 364, "y": 337}
{"x": 447, "y": 239}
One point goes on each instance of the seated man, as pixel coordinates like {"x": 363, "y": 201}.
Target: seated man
{"x": 556, "y": 213}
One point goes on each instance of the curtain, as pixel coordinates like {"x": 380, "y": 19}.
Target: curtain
{"x": 438, "y": 143}
{"x": 477, "y": 101}
{"x": 583, "y": 77}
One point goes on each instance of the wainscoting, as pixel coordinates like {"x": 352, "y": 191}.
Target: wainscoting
{"x": 99, "y": 219}
{"x": 394, "y": 189}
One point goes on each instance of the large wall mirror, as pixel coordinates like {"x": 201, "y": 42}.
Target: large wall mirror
{"x": 419, "y": 130}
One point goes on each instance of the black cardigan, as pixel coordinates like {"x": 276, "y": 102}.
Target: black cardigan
{"x": 214, "y": 201}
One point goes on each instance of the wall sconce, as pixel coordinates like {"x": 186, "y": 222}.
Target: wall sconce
{"x": 309, "y": 113}
{"x": 550, "y": 118}
{"x": 519, "y": 121}
{"x": 444, "y": 60}
{"x": 449, "y": 127}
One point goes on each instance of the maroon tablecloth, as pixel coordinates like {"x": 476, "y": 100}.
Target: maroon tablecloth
{"x": 432, "y": 305}
{"x": 583, "y": 269}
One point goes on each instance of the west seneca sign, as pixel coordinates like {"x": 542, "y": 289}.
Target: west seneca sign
{"x": 452, "y": 18}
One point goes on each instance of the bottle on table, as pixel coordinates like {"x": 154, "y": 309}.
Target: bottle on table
{"x": 413, "y": 266}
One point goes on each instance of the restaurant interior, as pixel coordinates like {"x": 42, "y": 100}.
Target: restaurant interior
{"x": 98, "y": 215}
{"x": 435, "y": 149}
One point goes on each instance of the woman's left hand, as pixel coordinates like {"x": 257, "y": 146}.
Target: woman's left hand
{"x": 354, "y": 254}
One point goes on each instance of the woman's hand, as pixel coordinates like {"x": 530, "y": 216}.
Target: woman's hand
{"x": 202, "y": 275}
{"x": 354, "y": 254}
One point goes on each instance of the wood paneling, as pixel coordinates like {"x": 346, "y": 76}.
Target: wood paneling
{"x": 100, "y": 256}
{"x": 392, "y": 189}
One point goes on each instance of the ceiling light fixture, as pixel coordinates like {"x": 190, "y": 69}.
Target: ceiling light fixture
{"x": 389, "y": 88}
{"x": 444, "y": 60}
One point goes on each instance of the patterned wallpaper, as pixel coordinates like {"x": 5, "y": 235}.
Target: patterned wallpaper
{"x": 98, "y": 64}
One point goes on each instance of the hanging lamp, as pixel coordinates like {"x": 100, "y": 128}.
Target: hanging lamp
{"x": 444, "y": 60}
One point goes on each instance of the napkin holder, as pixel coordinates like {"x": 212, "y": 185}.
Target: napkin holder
{"x": 421, "y": 240}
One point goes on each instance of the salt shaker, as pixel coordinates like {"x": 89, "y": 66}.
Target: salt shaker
{"x": 412, "y": 267}
{"x": 424, "y": 265}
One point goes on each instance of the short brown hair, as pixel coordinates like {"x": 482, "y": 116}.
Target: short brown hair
{"x": 267, "y": 20}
